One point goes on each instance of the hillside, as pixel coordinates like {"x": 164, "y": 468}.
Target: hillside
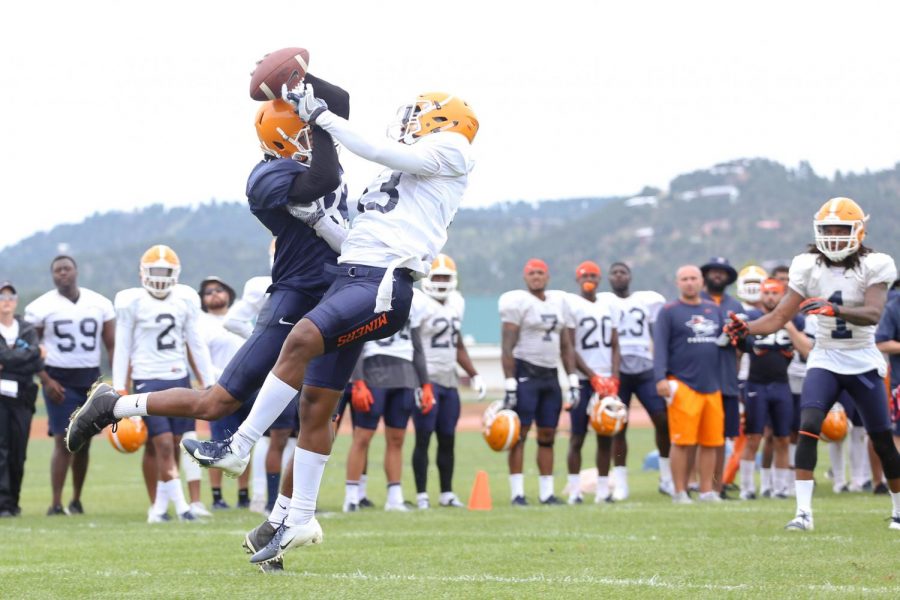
{"x": 748, "y": 210}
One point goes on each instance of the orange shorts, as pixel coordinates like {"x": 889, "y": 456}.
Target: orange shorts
{"x": 696, "y": 418}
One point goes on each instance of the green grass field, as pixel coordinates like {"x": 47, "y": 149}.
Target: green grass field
{"x": 642, "y": 547}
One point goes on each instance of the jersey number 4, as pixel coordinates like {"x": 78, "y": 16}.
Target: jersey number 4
{"x": 840, "y": 331}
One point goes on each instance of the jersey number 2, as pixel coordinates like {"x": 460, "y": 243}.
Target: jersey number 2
{"x": 164, "y": 341}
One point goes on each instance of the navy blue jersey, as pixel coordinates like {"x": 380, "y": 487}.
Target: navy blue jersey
{"x": 300, "y": 255}
{"x": 889, "y": 330}
{"x": 685, "y": 340}
{"x": 770, "y": 354}
{"x": 729, "y": 363}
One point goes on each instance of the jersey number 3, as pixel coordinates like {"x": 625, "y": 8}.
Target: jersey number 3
{"x": 389, "y": 189}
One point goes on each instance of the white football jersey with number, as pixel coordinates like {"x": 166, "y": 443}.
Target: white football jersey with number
{"x": 404, "y": 217}
{"x": 71, "y": 330}
{"x": 400, "y": 344}
{"x": 638, "y": 311}
{"x": 540, "y": 323}
{"x": 440, "y": 330}
{"x": 594, "y": 324}
{"x": 152, "y": 335}
{"x": 222, "y": 344}
{"x": 842, "y": 347}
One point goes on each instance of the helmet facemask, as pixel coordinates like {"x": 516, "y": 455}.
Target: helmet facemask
{"x": 839, "y": 247}
{"x": 159, "y": 279}
{"x": 298, "y": 147}
{"x": 408, "y": 126}
{"x": 439, "y": 290}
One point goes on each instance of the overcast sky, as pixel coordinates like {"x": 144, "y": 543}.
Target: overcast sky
{"x": 111, "y": 105}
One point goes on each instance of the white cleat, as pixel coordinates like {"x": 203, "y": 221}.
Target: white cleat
{"x": 575, "y": 499}
{"x": 287, "y": 537}
{"x": 802, "y": 522}
{"x": 350, "y": 507}
{"x": 620, "y": 493}
{"x": 895, "y": 522}
{"x": 216, "y": 455}
{"x": 422, "y": 503}
{"x": 258, "y": 505}
{"x": 398, "y": 507}
{"x": 681, "y": 498}
{"x": 667, "y": 488}
{"x": 199, "y": 510}
{"x": 155, "y": 517}
{"x": 450, "y": 500}
{"x": 709, "y": 497}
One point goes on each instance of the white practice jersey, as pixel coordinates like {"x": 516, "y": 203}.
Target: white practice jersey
{"x": 638, "y": 312}
{"x": 594, "y": 324}
{"x": 400, "y": 344}
{"x": 796, "y": 370}
{"x": 242, "y": 315}
{"x": 222, "y": 344}
{"x": 440, "y": 330}
{"x": 842, "y": 347}
{"x": 540, "y": 323}
{"x": 152, "y": 335}
{"x": 404, "y": 217}
{"x": 72, "y": 330}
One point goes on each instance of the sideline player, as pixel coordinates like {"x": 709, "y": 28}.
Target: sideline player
{"x": 593, "y": 334}
{"x": 844, "y": 283}
{"x": 155, "y": 325}
{"x": 638, "y": 312}
{"x": 441, "y": 317}
{"x": 71, "y": 321}
{"x": 403, "y": 225}
{"x": 534, "y": 339}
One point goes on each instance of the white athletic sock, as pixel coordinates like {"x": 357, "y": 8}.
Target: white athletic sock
{"x": 748, "y": 467}
{"x": 351, "y": 492}
{"x": 280, "y": 511}
{"x": 782, "y": 480}
{"x": 446, "y": 497}
{"x": 545, "y": 486}
{"x": 792, "y": 452}
{"x": 288, "y": 452}
{"x": 176, "y": 494}
{"x": 574, "y": 484}
{"x": 363, "y": 479}
{"x": 620, "y": 477}
{"x": 161, "y": 504}
{"x": 665, "y": 470}
{"x": 804, "y": 490}
{"x": 258, "y": 468}
{"x": 190, "y": 468}
{"x": 516, "y": 485}
{"x": 836, "y": 454}
{"x": 602, "y": 487}
{"x": 308, "y": 470}
{"x": 394, "y": 494}
{"x": 895, "y": 498}
{"x": 765, "y": 478}
{"x": 422, "y": 496}
{"x": 131, "y": 405}
{"x": 273, "y": 398}
{"x": 859, "y": 455}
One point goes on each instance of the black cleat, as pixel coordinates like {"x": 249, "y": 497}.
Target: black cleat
{"x": 256, "y": 540}
{"x": 366, "y": 503}
{"x": 551, "y": 500}
{"x": 519, "y": 501}
{"x": 75, "y": 508}
{"x": 91, "y": 417}
{"x": 57, "y": 509}
{"x": 880, "y": 489}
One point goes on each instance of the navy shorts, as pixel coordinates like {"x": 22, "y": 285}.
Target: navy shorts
{"x": 732, "y": 408}
{"x": 58, "y": 414}
{"x": 344, "y": 402}
{"x": 160, "y": 425}
{"x": 445, "y": 414}
{"x": 795, "y": 421}
{"x": 822, "y": 389}
{"x": 644, "y": 387}
{"x": 249, "y": 367}
{"x": 394, "y": 404}
{"x": 289, "y": 419}
{"x": 846, "y": 400}
{"x": 768, "y": 404}
{"x": 538, "y": 399}
{"x": 222, "y": 429}
{"x": 578, "y": 415}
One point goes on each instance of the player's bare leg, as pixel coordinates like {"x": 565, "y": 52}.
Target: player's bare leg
{"x": 573, "y": 462}
{"x": 393, "y": 466}
{"x": 545, "y": 439}
{"x": 680, "y": 460}
{"x": 80, "y": 462}
{"x": 60, "y": 460}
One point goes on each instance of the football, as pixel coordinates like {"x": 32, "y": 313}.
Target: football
{"x": 283, "y": 67}
{"x": 129, "y": 436}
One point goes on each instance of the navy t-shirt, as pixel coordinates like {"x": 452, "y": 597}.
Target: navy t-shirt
{"x": 685, "y": 344}
{"x": 888, "y": 330}
{"x": 728, "y": 364}
{"x": 770, "y": 354}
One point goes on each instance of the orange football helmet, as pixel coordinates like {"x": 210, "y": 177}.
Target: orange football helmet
{"x": 607, "y": 416}
{"x": 749, "y": 283}
{"x": 439, "y": 290}
{"x": 834, "y": 427}
{"x": 501, "y": 427}
{"x": 840, "y": 211}
{"x": 281, "y": 133}
{"x": 431, "y": 113}
{"x": 160, "y": 268}
{"x": 129, "y": 436}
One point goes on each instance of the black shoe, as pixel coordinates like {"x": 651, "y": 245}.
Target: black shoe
{"x": 551, "y": 500}
{"x": 366, "y": 503}
{"x": 56, "y": 509}
{"x": 91, "y": 417}
{"x": 6, "y": 513}
{"x": 867, "y": 486}
{"x": 881, "y": 489}
{"x": 244, "y": 503}
{"x": 256, "y": 540}
{"x": 220, "y": 505}
{"x": 725, "y": 496}
{"x": 519, "y": 501}
{"x": 75, "y": 508}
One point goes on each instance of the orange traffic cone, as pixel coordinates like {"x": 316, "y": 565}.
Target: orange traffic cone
{"x": 480, "y": 498}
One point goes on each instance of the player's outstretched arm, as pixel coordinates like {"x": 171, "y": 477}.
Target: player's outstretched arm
{"x": 775, "y": 320}
{"x": 870, "y": 312}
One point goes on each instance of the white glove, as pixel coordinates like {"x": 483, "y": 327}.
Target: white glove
{"x": 574, "y": 392}
{"x": 304, "y": 101}
{"x": 509, "y": 400}
{"x": 477, "y": 384}
{"x": 310, "y": 213}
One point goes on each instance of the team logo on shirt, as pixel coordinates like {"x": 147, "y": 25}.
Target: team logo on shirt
{"x": 702, "y": 327}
